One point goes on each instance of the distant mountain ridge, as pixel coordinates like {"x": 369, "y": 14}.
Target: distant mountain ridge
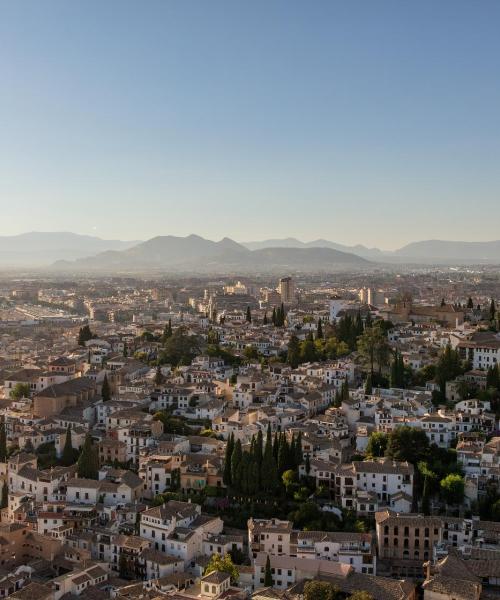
{"x": 38, "y": 248}
{"x": 68, "y": 251}
{"x": 425, "y": 251}
{"x": 359, "y": 250}
{"x": 172, "y": 253}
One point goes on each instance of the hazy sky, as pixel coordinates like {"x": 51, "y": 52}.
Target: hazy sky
{"x": 374, "y": 122}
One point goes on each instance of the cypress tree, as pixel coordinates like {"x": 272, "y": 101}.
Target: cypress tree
{"x": 167, "y": 331}
{"x": 282, "y": 455}
{"x": 268, "y": 576}
{"x": 248, "y": 315}
{"x": 368, "y": 385}
{"x": 253, "y": 477}
{"x": 308, "y": 464}
{"x": 337, "y": 401}
{"x": 269, "y": 437}
{"x": 84, "y": 335}
{"x": 292, "y": 453}
{"x": 236, "y": 463}
{"x": 105, "y": 390}
{"x": 276, "y": 446}
{"x": 470, "y": 304}
{"x": 293, "y": 354}
{"x": 243, "y": 472}
{"x": 123, "y": 566}
{"x": 359, "y": 324}
{"x": 493, "y": 377}
{"x": 345, "y": 390}
{"x": 259, "y": 452}
{"x": 269, "y": 471}
{"x": 273, "y": 318}
{"x": 397, "y": 371}
{"x": 67, "y": 453}
{"x": 298, "y": 450}
{"x": 368, "y": 320}
{"x": 319, "y": 331}
{"x": 226, "y": 477}
{"x": 5, "y": 495}
{"x": 3, "y": 442}
{"x": 88, "y": 462}
{"x": 493, "y": 309}
{"x": 264, "y": 322}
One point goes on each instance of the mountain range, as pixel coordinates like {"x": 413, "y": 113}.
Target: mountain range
{"x": 425, "y": 252}
{"x": 37, "y": 248}
{"x": 196, "y": 254}
{"x": 65, "y": 251}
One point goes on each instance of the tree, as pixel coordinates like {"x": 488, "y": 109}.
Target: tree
{"x": 180, "y": 348}
{"x": 368, "y": 385}
{"x": 251, "y": 353}
{"x": 123, "y": 566}
{"x": 470, "y": 303}
{"x": 3, "y": 442}
{"x": 407, "y": 443}
{"x": 293, "y": 354}
{"x": 84, "y": 335}
{"x": 264, "y": 321}
{"x": 493, "y": 377}
{"x": 167, "y": 331}
{"x": 268, "y": 576}
{"x": 299, "y": 456}
{"x": 236, "y": 465}
{"x": 308, "y": 351}
{"x": 320, "y": 590}
{"x": 159, "y": 379}
{"x": 88, "y": 462}
{"x": 20, "y": 390}
{"x": 226, "y": 476}
{"x": 493, "y": 309}
{"x": 283, "y": 455}
{"x": 273, "y": 318}
{"x": 447, "y": 368}
{"x": 453, "y": 488}
{"x": 5, "y": 495}
{"x": 248, "y": 315}
{"x": 373, "y": 348}
{"x": 269, "y": 470}
{"x": 105, "y": 390}
{"x": 319, "y": 330}
{"x": 397, "y": 371}
{"x": 68, "y": 454}
{"x": 377, "y": 444}
{"x": 224, "y": 564}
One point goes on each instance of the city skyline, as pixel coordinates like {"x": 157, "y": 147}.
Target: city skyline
{"x": 355, "y": 123}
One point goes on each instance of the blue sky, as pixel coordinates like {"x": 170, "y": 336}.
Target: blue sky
{"x": 361, "y": 121}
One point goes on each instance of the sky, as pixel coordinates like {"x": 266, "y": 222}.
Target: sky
{"x": 359, "y": 121}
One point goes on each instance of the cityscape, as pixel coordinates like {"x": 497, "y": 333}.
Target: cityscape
{"x": 249, "y": 300}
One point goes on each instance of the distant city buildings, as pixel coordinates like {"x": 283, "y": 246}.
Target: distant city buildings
{"x": 339, "y": 432}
